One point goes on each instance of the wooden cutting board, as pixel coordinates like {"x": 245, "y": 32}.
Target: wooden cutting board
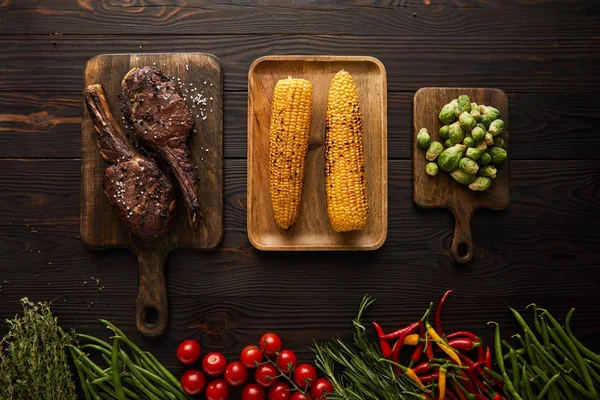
{"x": 442, "y": 190}
{"x": 312, "y": 230}
{"x": 100, "y": 227}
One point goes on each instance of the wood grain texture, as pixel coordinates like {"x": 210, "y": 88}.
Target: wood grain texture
{"x": 518, "y": 64}
{"x": 442, "y": 190}
{"x": 100, "y": 227}
{"x": 312, "y": 230}
{"x": 479, "y": 17}
{"x": 31, "y": 125}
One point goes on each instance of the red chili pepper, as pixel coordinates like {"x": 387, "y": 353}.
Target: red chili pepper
{"x": 450, "y": 394}
{"x": 398, "y": 346}
{"x": 416, "y": 355}
{"x": 488, "y": 361}
{"x": 468, "y": 362}
{"x": 386, "y": 349}
{"x": 477, "y": 381}
{"x": 480, "y": 353}
{"x": 467, "y": 334}
{"x": 399, "y": 332}
{"x": 438, "y": 314}
{"x": 476, "y": 366}
{"x": 497, "y": 396}
{"x": 422, "y": 368}
{"x": 480, "y": 396}
{"x": 429, "y": 377}
{"x": 468, "y": 384}
{"x": 463, "y": 344}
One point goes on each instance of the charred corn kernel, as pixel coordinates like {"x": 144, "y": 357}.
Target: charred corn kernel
{"x": 288, "y": 147}
{"x": 345, "y": 178}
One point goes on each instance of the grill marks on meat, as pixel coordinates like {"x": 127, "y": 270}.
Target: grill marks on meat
{"x": 141, "y": 194}
{"x": 154, "y": 106}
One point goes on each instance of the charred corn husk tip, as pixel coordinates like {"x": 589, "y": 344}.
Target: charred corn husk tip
{"x": 345, "y": 177}
{"x": 288, "y": 147}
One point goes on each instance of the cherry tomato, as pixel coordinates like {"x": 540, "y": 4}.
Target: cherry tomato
{"x": 281, "y": 391}
{"x": 214, "y": 364}
{"x": 188, "y": 352}
{"x": 253, "y": 392}
{"x": 193, "y": 381}
{"x": 285, "y": 358}
{"x": 266, "y": 375}
{"x": 236, "y": 374}
{"x": 321, "y": 388}
{"x": 251, "y": 354}
{"x": 270, "y": 343}
{"x": 217, "y": 390}
{"x": 305, "y": 375}
{"x": 300, "y": 396}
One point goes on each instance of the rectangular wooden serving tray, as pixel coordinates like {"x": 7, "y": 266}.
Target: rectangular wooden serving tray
{"x": 312, "y": 230}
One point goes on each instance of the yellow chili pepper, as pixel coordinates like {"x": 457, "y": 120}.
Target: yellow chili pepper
{"x": 442, "y": 383}
{"x": 440, "y": 342}
{"x": 413, "y": 377}
{"x": 411, "y": 340}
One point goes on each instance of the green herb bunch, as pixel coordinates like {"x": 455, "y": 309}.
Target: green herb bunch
{"x": 33, "y": 358}
{"x": 355, "y": 369}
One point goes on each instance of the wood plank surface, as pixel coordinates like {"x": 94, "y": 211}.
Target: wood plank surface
{"x": 48, "y": 125}
{"x": 478, "y": 17}
{"x": 521, "y": 64}
{"x": 542, "y": 248}
{"x": 312, "y": 229}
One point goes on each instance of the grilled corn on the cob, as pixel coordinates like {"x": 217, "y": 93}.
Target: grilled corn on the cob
{"x": 346, "y": 183}
{"x": 288, "y": 147}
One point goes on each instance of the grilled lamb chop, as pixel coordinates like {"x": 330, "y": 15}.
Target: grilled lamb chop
{"x": 154, "y": 106}
{"x": 141, "y": 194}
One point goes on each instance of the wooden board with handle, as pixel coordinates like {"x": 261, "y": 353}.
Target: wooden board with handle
{"x": 197, "y": 73}
{"x": 312, "y": 230}
{"x": 441, "y": 190}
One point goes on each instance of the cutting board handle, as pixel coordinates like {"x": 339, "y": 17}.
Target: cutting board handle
{"x": 462, "y": 243}
{"x": 152, "y": 310}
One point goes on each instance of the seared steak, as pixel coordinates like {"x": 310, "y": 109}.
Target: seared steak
{"x": 155, "y": 108}
{"x": 141, "y": 194}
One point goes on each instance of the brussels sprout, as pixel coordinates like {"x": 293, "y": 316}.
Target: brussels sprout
{"x": 481, "y": 145}
{"x": 467, "y": 165}
{"x": 469, "y": 142}
{"x": 485, "y": 159}
{"x": 423, "y": 138}
{"x": 431, "y": 169}
{"x": 498, "y": 142}
{"x": 449, "y": 159}
{"x": 496, "y": 127}
{"x": 462, "y": 177}
{"x": 481, "y": 183}
{"x": 467, "y": 122}
{"x": 475, "y": 111}
{"x": 488, "y": 114}
{"x": 448, "y": 143}
{"x": 489, "y": 139}
{"x": 434, "y": 150}
{"x": 473, "y": 153}
{"x": 498, "y": 154}
{"x": 478, "y": 133}
{"x": 447, "y": 114}
{"x": 464, "y": 105}
{"x": 455, "y": 133}
{"x": 444, "y": 131}
{"x": 488, "y": 170}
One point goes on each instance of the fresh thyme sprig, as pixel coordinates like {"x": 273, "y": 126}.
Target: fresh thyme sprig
{"x": 354, "y": 368}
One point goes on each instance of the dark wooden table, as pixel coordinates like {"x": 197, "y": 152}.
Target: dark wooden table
{"x": 543, "y": 248}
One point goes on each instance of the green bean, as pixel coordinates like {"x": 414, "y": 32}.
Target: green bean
{"x": 515, "y": 367}
{"x": 536, "y": 323}
{"x": 78, "y": 367}
{"x": 545, "y": 337}
{"x": 152, "y": 366}
{"x": 166, "y": 385}
{"x": 138, "y": 384}
{"x": 562, "y": 355}
{"x": 547, "y": 386}
{"x": 101, "y": 379}
{"x": 593, "y": 372}
{"x": 578, "y": 387}
{"x": 165, "y": 372}
{"x": 579, "y": 345}
{"x": 500, "y": 360}
{"x": 569, "y": 343}
{"x": 94, "y": 393}
{"x": 140, "y": 376}
{"x": 528, "y": 390}
{"x": 95, "y": 340}
{"x": 116, "y": 375}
